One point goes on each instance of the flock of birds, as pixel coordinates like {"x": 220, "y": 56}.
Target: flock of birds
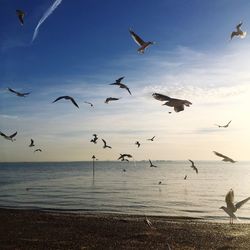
{"x": 177, "y": 104}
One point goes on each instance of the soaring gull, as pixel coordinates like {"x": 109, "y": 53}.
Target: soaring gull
{"x": 119, "y": 83}
{"x": 111, "y": 99}
{"x": 66, "y": 97}
{"x": 91, "y": 104}
{"x": 225, "y": 158}
{"x": 18, "y": 93}
{"x": 152, "y": 165}
{"x": 223, "y": 126}
{"x": 38, "y": 150}
{"x": 142, "y": 45}
{"x": 178, "y": 104}
{"x": 238, "y": 32}
{"x": 151, "y": 139}
{"x": 31, "y": 143}
{"x": 194, "y": 167}
{"x": 105, "y": 144}
{"x": 8, "y": 137}
{"x": 94, "y": 140}
{"x": 231, "y": 208}
{"x": 122, "y": 157}
{"x": 20, "y": 15}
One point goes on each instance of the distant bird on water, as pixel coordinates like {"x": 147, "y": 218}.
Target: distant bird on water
{"x": 91, "y": 104}
{"x": 94, "y": 140}
{"x": 105, "y": 144}
{"x": 194, "y": 167}
{"x": 223, "y": 126}
{"x": 152, "y": 165}
{"x": 66, "y": 97}
{"x": 225, "y": 158}
{"x": 151, "y": 139}
{"x": 20, "y": 15}
{"x": 178, "y": 104}
{"x": 18, "y": 93}
{"x": 111, "y": 99}
{"x": 38, "y": 150}
{"x": 142, "y": 45}
{"x": 238, "y": 32}
{"x": 185, "y": 177}
{"x": 138, "y": 144}
{"x": 31, "y": 143}
{"x": 122, "y": 157}
{"x": 120, "y": 84}
{"x": 231, "y": 208}
{"x": 8, "y": 137}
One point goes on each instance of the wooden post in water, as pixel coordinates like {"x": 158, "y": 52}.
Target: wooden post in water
{"x": 93, "y": 158}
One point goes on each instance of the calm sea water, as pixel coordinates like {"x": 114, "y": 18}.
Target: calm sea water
{"x": 70, "y": 186}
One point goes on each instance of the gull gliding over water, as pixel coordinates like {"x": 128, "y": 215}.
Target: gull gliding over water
{"x": 178, "y": 104}
{"x": 66, "y": 97}
{"x": 120, "y": 84}
{"x": 111, "y": 99}
{"x": 194, "y": 167}
{"x": 18, "y": 93}
{"x": 238, "y": 32}
{"x": 20, "y": 15}
{"x": 8, "y": 137}
{"x": 231, "y": 208}
{"x": 225, "y": 158}
{"x": 152, "y": 165}
{"x": 143, "y": 45}
{"x": 223, "y": 126}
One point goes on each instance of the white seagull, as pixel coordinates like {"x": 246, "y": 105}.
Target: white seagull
{"x": 231, "y": 208}
{"x": 238, "y": 32}
{"x": 178, "y": 104}
{"x": 8, "y": 137}
{"x": 143, "y": 45}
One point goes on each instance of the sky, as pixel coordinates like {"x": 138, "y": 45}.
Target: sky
{"x": 80, "y": 47}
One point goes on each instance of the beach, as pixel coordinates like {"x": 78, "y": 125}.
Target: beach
{"x": 32, "y": 229}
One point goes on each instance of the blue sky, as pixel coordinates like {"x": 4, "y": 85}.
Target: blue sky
{"x": 84, "y": 45}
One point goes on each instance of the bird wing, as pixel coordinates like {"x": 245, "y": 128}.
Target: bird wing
{"x": 150, "y": 162}
{"x": 31, "y": 142}
{"x": 13, "y": 91}
{"x": 74, "y": 102}
{"x": 128, "y": 89}
{"x": 27, "y": 93}
{"x": 234, "y": 34}
{"x": 136, "y": 38}
{"x": 241, "y": 203}
{"x": 220, "y": 155}
{"x": 20, "y": 15}
{"x": 59, "y": 98}
{"x": 2, "y": 134}
{"x": 161, "y": 97}
{"x": 229, "y": 199}
{"x": 127, "y": 155}
{"x": 119, "y": 79}
{"x": 191, "y": 162}
{"x": 179, "y": 108}
{"x": 238, "y": 26}
{"x": 13, "y": 135}
{"x": 228, "y": 123}
{"x": 104, "y": 142}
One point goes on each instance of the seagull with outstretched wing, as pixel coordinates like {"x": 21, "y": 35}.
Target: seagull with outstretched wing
{"x": 151, "y": 139}
{"x": 105, "y": 144}
{"x": 194, "y": 167}
{"x": 109, "y": 99}
{"x": 91, "y": 104}
{"x": 225, "y": 158}
{"x": 120, "y": 84}
{"x": 238, "y": 32}
{"x": 223, "y": 126}
{"x": 152, "y": 165}
{"x": 66, "y": 97}
{"x": 18, "y": 93}
{"x": 9, "y": 137}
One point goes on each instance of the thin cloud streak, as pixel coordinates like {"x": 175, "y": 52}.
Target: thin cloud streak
{"x": 45, "y": 16}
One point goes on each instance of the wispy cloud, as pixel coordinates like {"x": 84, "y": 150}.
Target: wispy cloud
{"x": 45, "y": 16}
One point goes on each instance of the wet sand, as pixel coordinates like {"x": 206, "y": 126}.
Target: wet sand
{"x": 30, "y": 229}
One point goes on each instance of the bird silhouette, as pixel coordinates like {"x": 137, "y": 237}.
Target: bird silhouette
{"x": 18, "y": 93}
{"x": 151, "y": 139}
{"x": 152, "y": 165}
{"x": 105, "y": 144}
{"x": 38, "y": 150}
{"x": 238, "y": 32}
{"x": 20, "y": 15}
{"x": 138, "y": 144}
{"x": 185, "y": 177}
{"x": 94, "y": 140}
{"x": 122, "y": 157}
{"x": 194, "y": 167}
{"x": 8, "y": 137}
{"x": 120, "y": 84}
{"x": 31, "y": 143}
{"x": 178, "y": 104}
{"x": 91, "y": 104}
{"x": 223, "y": 126}
{"x": 111, "y": 99}
{"x": 66, "y": 97}
{"x": 225, "y": 158}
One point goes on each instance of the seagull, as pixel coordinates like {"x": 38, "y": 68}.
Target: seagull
{"x": 20, "y": 15}
{"x": 120, "y": 84}
{"x": 9, "y": 137}
{"x": 38, "y": 150}
{"x": 105, "y": 144}
{"x": 91, "y": 104}
{"x": 238, "y": 32}
{"x": 223, "y": 126}
{"x": 111, "y": 99}
{"x": 185, "y": 177}
{"x": 66, "y": 97}
{"x": 31, "y": 143}
{"x": 152, "y": 165}
{"x": 225, "y": 158}
{"x": 194, "y": 167}
{"x": 178, "y": 104}
{"x": 231, "y": 208}
{"x": 151, "y": 139}
{"x": 138, "y": 144}
{"x": 94, "y": 140}
{"x": 122, "y": 157}
{"x": 18, "y": 93}
{"x": 143, "y": 45}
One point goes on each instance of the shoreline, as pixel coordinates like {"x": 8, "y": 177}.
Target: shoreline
{"x": 34, "y": 229}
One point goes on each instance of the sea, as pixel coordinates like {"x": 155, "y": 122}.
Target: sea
{"x": 132, "y": 188}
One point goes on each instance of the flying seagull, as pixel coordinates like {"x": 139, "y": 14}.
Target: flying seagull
{"x": 225, "y": 158}
{"x": 223, "y": 126}
{"x": 231, "y": 208}
{"x": 142, "y": 45}
{"x": 94, "y": 140}
{"x": 151, "y": 139}
{"x": 38, "y": 150}
{"x": 178, "y": 104}
{"x": 194, "y": 167}
{"x": 91, "y": 104}
{"x": 152, "y": 165}
{"x": 111, "y": 99}
{"x": 9, "y": 137}
{"x": 20, "y": 15}
{"x": 138, "y": 144}
{"x": 31, "y": 143}
{"x": 66, "y": 97}
{"x": 122, "y": 157}
{"x": 105, "y": 144}
{"x": 238, "y": 32}
{"x": 18, "y": 93}
{"x": 120, "y": 84}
